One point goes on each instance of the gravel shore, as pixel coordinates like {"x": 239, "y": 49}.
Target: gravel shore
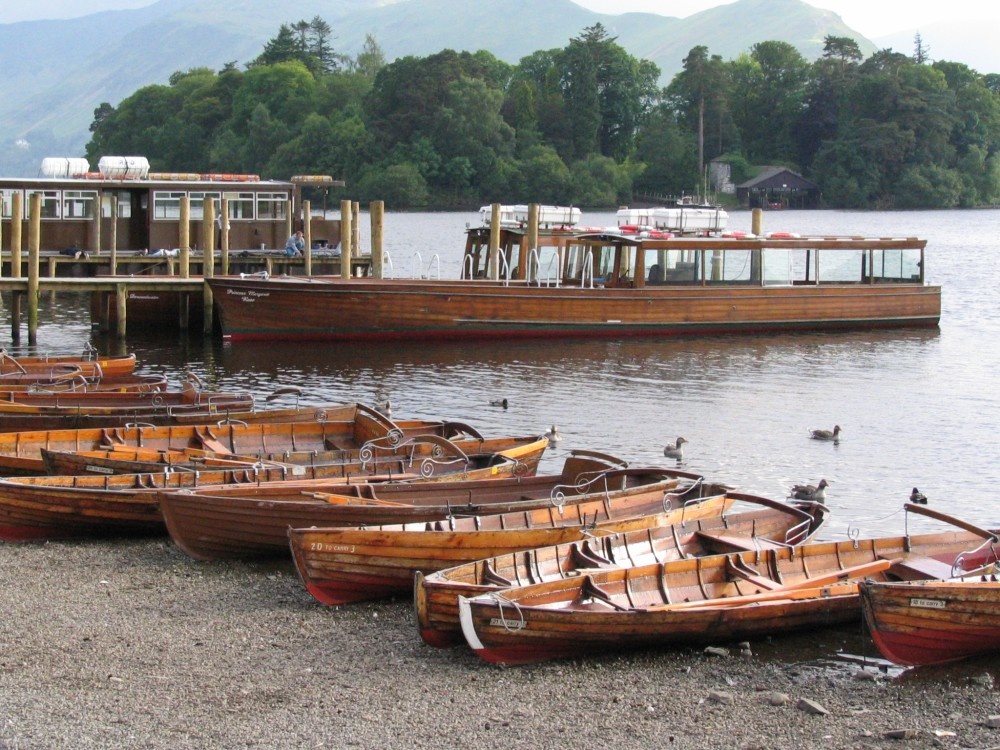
{"x": 130, "y": 644}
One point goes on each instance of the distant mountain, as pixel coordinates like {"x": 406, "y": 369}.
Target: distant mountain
{"x": 55, "y": 73}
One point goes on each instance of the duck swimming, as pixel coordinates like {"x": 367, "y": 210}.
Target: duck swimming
{"x": 501, "y": 402}
{"x": 553, "y": 435}
{"x": 675, "y": 449}
{"x": 917, "y": 497}
{"x": 833, "y": 434}
{"x": 815, "y": 493}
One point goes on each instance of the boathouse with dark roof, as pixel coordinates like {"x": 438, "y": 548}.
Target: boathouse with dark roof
{"x": 778, "y": 187}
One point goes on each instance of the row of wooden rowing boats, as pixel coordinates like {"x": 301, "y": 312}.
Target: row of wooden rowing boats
{"x": 522, "y": 567}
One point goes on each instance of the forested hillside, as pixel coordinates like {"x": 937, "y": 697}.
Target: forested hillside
{"x": 585, "y": 124}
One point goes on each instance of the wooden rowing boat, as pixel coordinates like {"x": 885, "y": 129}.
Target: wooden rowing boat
{"x": 89, "y": 364}
{"x": 933, "y": 622}
{"x": 339, "y": 565}
{"x": 56, "y": 507}
{"x": 249, "y": 522}
{"x": 601, "y": 284}
{"x": 706, "y": 600}
{"x": 751, "y": 523}
{"x": 302, "y": 429}
{"x": 35, "y": 410}
{"x": 78, "y": 383}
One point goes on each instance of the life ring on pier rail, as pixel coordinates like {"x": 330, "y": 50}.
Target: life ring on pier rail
{"x": 782, "y": 236}
{"x": 216, "y": 177}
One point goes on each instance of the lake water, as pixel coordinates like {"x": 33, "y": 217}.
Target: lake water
{"x": 917, "y": 408}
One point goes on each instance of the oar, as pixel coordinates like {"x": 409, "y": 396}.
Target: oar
{"x": 810, "y": 585}
{"x": 938, "y": 515}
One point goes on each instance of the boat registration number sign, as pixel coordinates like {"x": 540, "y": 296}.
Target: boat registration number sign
{"x": 323, "y": 547}
{"x": 927, "y": 603}
{"x": 90, "y": 469}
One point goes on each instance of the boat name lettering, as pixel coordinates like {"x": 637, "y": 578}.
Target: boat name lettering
{"x": 928, "y": 603}
{"x": 99, "y": 470}
{"x": 321, "y": 547}
{"x": 500, "y": 622}
{"x": 248, "y": 295}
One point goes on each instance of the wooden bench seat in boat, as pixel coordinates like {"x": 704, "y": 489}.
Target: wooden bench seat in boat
{"x": 921, "y": 568}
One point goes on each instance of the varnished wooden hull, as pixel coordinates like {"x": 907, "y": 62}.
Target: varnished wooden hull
{"x": 934, "y": 622}
{"x": 340, "y": 565}
{"x": 248, "y": 523}
{"x": 102, "y": 408}
{"x": 405, "y": 459}
{"x": 60, "y": 507}
{"x": 90, "y": 367}
{"x": 700, "y": 601}
{"x": 436, "y": 594}
{"x": 328, "y": 428}
{"x": 81, "y": 384}
{"x": 328, "y": 308}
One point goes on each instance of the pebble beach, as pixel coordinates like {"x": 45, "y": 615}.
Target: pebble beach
{"x": 131, "y": 644}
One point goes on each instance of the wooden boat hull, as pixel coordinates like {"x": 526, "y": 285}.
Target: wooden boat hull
{"x": 61, "y": 507}
{"x": 933, "y": 622}
{"x": 247, "y": 523}
{"x": 704, "y": 600}
{"x": 87, "y": 366}
{"x": 131, "y": 460}
{"x": 341, "y": 565}
{"x": 327, "y": 428}
{"x": 332, "y": 309}
{"x": 436, "y": 594}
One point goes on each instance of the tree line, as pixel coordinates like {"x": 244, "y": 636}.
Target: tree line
{"x": 587, "y": 124}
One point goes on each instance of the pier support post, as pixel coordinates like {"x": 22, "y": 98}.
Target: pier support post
{"x": 377, "y": 210}
{"x": 95, "y": 235}
{"x": 34, "y": 253}
{"x": 16, "y": 226}
{"x": 208, "y": 262}
{"x": 307, "y": 235}
{"x": 121, "y": 301}
{"x": 530, "y": 243}
{"x": 757, "y": 222}
{"x": 114, "y": 235}
{"x": 224, "y": 240}
{"x": 185, "y": 237}
{"x": 356, "y": 226}
{"x": 346, "y": 237}
{"x": 494, "y": 251}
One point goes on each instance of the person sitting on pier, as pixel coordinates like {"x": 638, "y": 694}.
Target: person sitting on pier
{"x": 295, "y": 245}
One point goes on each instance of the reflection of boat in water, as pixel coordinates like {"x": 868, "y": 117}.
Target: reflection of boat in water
{"x": 573, "y": 281}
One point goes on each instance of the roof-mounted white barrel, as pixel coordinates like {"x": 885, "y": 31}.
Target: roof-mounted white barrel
{"x": 124, "y": 167}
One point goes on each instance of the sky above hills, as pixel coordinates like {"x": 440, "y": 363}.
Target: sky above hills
{"x": 871, "y": 18}
{"x": 955, "y": 30}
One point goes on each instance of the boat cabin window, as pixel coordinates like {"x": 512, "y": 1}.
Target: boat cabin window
{"x": 50, "y": 204}
{"x": 167, "y": 205}
{"x": 124, "y": 203}
{"x": 198, "y": 204}
{"x": 272, "y": 206}
{"x": 671, "y": 266}
{"x": 79, "y": 204}
{"x": 240, "y": 205}
{"x": 6, "y": 197}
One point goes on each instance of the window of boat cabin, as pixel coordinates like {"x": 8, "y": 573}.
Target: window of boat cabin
{"x": 664, "y": 266}
{"x": 51, "y": 200}
{"x": 271, "y": 206}
{"x": 167, "y": 205}
{"x": 6, "y": 198}
{"x": 79, "y": 204}
{"x": 198, "y": 203}
{"x": 241, "y": 205}
{"x": 124, "y": 204}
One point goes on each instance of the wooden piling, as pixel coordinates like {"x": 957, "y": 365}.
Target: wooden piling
{"x": 95, "y": 235}
{"x": 184, "y": 230}
{"x": 757, "y": 221}
{"x": 356, "y": 225}
{"x": 224, "y": 240}
{"x": 346, "y": 235}
{"x": 114, "y": 235}
{"x": 530, "y": 243}
{"x": 121, "y": 303}
{"x": 494, "y": 250}
{"x": 208, "y": 262}
{"x": 307, "y": 237}
{"x": 34, "y": 255}
{"x": 377, "y": 211}
{"x": 16, "y": 216}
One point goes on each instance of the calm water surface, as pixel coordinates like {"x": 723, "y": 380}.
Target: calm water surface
{"x": 917, "y": 408}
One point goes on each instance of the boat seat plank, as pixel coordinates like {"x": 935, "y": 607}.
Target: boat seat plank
{"x": 921, "y": 568}
{"x": 722, "y": 541}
